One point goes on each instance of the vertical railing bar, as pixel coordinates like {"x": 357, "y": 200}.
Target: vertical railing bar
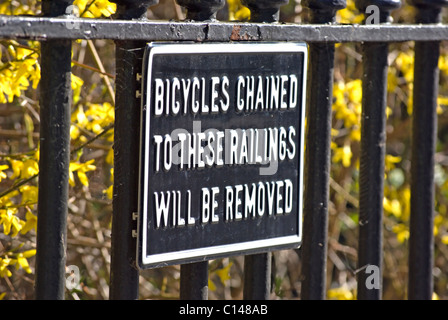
{"x": 194, "y": 281}
{"x": 124, "y": 274}
{"x": 194, "y": 276}
{"x": 424, "y": 127}
{"x": 257, "y": 267}
{"x": 55, "y": 102}
{"x": 257, "y": 276}
{"x": 373, "y": 150}
{"x": 317, "y": 171}
{"x": 317, "y": 156}
{"x": 371, "y": 168}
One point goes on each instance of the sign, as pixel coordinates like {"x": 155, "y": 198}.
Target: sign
{"x": 221, "y": 158}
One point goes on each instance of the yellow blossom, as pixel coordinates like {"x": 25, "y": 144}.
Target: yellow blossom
{"x": 343, "y": 155}
{"x": 341, "y": 293}
{"x": 2, "y": 174}
{"x": 96, "y": 9}
{"x": 224, "y": 273}
{"x": 16, "y": 166}
{"x": 110, "y": 156}
{"x": 445, "y": 239}
{"x": 355, "y": 134}
{"x": 10, "y": 221}
{"x": 390, "y": 161}
{"x": 30, "y": 224}
{"x": 81, "y": 169}
{"x": 402, "y": 232}
{"x": 354, "y": 89}
{"x": 110, "y": 190}
{"x": 76, "y": 84}
{"x": 4, "y": 271}
{"x": 22, "y": 262}
{"x": 237, "y": 11}
{"x": 30, "y": 168}
{"x": 392, "y": 206}
{"x": 29, "y": 194}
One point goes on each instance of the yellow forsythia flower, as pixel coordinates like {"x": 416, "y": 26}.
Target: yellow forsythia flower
{"x": 350, "y": 14}
{"x": 237, "y": 11}
{"x": 81, "y": 169}
{"x": 343, "y": 155}
{"x": 445, "y": 239}
{"x": 392, "y": 206}
{"x": 30, "y": 168}
{"x": 95, "y": 8}
{"x": 224, "y": 273}
{"x": 110, "y": 190}
{"x": 76, "y": 83}
{"x": 30, "y": 224}
{"x": 10, "y": 221}
{"x": 341, "y": 293}
{"x": 4, "y": 271}
{"x": 402, "y": 232}
{"x": 23, "y": 262}
{"x": 2, "y": 174}
{"x": 29, "y": 194}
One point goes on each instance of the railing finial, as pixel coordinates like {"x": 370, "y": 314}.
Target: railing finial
{"x": 56, "y": 8}
{"x": 429, "y": 11}
{"x": 133, "y": 9}
{"x": 201, "y": 10}
{"x": 324, "y": 11}
{"x": 264, "y": 10}
{"x": 384, "y": 6}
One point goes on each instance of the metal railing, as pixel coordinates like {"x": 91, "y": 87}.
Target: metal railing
{"x": 131, "y": 31}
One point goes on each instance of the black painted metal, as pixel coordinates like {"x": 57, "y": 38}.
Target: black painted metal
{"x": 200, "y": 10}
{"x": 194, "y": 277}
{"x": 264, "y": 10}
{"x": 317, "y": 156}
{"x": 43, "y": 28}
{"x": 129, "y": 55}
{"x": 194, "y": 281}
{"x": 323, "y": 11}
{"x": 132, "y": 31}
{"x": 257, "y": 268}
{"x": 373, "y": 149}
{"x": 54, "y": 163}
{"x": 424, "y": 127}
{"x": 373, "y": 146}
{"x": 257, "y": 276}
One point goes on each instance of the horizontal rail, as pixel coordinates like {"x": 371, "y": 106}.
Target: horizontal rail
{"x": 42, "y": 28}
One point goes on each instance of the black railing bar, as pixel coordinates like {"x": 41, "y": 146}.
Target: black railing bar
{"x": 371, "y": 177}
{"x": 317, "y": 155}
{"x": 424, "y": 138}
{"x": 257, "y": 267}
{"x": 194, "y": 276}
{"x": 55, "y": 102}
{"x": 124, "y": 279}
{"x": 194, "y": 281}
{"x": 257, "y": 276}
{"x": 42, "y": 28}
{"x": 372, "y": 158}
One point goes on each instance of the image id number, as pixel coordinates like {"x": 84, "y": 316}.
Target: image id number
{"x": 245, "y": 309}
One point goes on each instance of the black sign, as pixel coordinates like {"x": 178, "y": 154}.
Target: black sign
{"x": 221, "y": 150}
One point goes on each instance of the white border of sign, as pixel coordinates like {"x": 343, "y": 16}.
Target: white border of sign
{"x": 221, "y": 250}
